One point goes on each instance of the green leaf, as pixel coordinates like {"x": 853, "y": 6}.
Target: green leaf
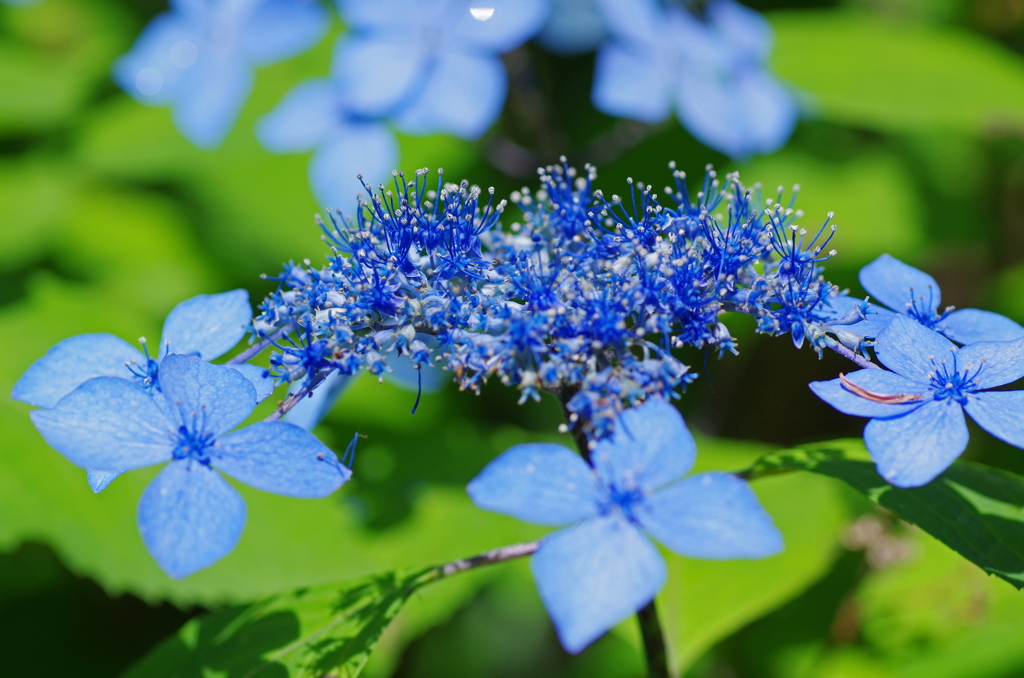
{"x": 308, "y": 633}
{"x": 975, "y": 510}
{"x": 705, "y": 601}
{"x": 899, "y": 76}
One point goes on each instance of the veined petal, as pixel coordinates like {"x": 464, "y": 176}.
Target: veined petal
{"x": 208, "y": 325}
{"x": 70, "y": 363}
{"x": 1001, "y": 413}
{"x": 209, "y": 398}
{"x": 260, "y": 379}
{"x": 911, "y": 349}
{"x": 311, "y": 410}
{"x": 877, "y": 319}
{"x": 714, "y": 516}
{"x": 211, "y": 97}
{"x": 627, "y": 85}
{"x": 302, "y": 119}
{"x": 651, "y": 447}
{"x": 100, "y": 480}
{"x": 512, "y": 23}
{"x": 280, "y": 29}
{"x": 369, "y": 149}
{"x": 971, "y": 325}
{"x": 190, "y": 518}
{"x": 107, "y": 423}
{"x": 462, "y": 95}
{"x": 882, "y": 382}
{"x": 282, "y": 458}
{"x": 896, "y": 284}
{"x": 911, "y": 450}
{"x": 541, "y": 483}
{"x": 995, "y": 362}
{"x": 592, "y": 576}
{"x": 377, "y": 72}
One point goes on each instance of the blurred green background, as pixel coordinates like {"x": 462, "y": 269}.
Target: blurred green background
{"x": 914, "y": 136}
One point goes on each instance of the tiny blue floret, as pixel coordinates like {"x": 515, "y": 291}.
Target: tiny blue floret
{"x": 604, "y": 568}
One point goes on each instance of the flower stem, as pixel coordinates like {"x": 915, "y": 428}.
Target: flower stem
{"x": 654, "y": 641}
{"x": 499, "y": 555}
{"x": 852, "y": 355}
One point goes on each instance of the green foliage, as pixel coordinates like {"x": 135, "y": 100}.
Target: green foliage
{"x": 975, "y": 510}
{"x": 866, "y": 72}
{"x": 308, "y": 633}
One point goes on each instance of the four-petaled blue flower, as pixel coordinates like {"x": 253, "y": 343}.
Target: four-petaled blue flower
{"x": 714, "y": 73}
{"x": 917, "y": 426}
{"x": 432, "y": 65}
{"x": 207, "y": 325}
{"x": 915, "y": 294}
{"x": 199, "y": 57}
{"x": 602, "y": 569}
{"x": 189, "y": 516}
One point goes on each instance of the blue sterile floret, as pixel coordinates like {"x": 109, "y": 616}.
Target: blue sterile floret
{"x": 586, "y": 298}
{"x": 603, "y": 568}
{"x": 917, "y": 426}
{"x": 207, "y": 325}
{"x": 189, "y": 516}
{"x": 199, "y": 58}
{"x": 711, "y": 70}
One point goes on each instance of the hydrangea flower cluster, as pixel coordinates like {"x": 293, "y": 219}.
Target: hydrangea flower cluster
{"x": 586, "y": 298}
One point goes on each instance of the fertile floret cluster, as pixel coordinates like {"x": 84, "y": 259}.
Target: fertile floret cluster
{"x": 586, "y": 297}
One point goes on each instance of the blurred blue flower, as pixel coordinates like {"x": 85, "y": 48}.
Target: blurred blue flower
{"x": 573, "y": 27}
{"x": 314, "y": 116}
{"x": 207, "y": 325}
{"x": 593, "y": 575}
{"x": 432, "y": 65}
{"x": 712, "y": 72}
{"x": 189, "y": 516}
{"x": 915, "y": 294}
{"x": 199, "y": 57}
{"x": 917, "y": 426}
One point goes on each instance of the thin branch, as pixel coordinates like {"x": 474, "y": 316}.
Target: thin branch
{"x": 488, "y": 558}
{"x": 851, "y": 355}
{"x": 257, "y": 347}
{"x": 294, "y": 399}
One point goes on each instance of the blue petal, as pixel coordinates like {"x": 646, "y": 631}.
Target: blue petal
{"x": 281, "y": 29}
{"x": 462, "y": 95}
{"x": 281, "y": 458}
{"x": 715, "y": 516}
{"x": 970, "y": 325}
{"x": 911, "y": 349}
{"x": 651, "y": 447}
{"x": 896, "y": 284}
{"x": 72, "y": 362}
{"x": 208, "y": 325}
{"x": 767, "y": 110}
{"x": 639, "y": 21}
{"x": 747, "y": 31}
{"x": 573, "y": 27}
{"x": 995, "y": 362}
{"x": 107, "y": 423}
{"x": 301, "y": 120}
{"x": 540, "y": 483}
{"x": 147, "y": 72}
{"x": 311, "y": 410}
{"x": 877, "y": 381}
{"x": 190, "y": 518}
{"x": 100, "y": 480}
{"x": 387, "y": 14}
{"x": 377, "y": 72}
{"x": 911, "y": 450}
{"x": 877, "y": 318}
{"x": 1001, "y": 413}
{"x": 512, "y": 23}
{"x": 210, "y": 99}
{"x": 593, "y": 576}
{"x": 627, "y": 84}
{"x": 211, "y": 398}
{"x": 357, "y": 148}
{"x": 260, "y": 379}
